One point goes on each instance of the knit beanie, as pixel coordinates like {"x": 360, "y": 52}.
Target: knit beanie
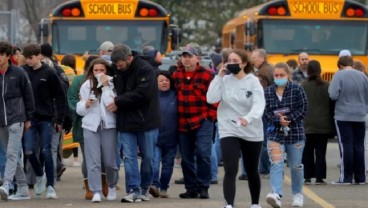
{"x": 216, "y": 59}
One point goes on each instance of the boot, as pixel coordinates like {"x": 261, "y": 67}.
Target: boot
{"x": 89, "y": 194}
{"x": 105, "y": 188}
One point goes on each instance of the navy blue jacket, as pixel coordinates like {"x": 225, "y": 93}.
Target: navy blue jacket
{"x": 169, "y": 114}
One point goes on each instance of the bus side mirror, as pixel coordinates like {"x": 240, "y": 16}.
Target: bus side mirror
{"x": 250, "y": 28}
{"x": 175, "y": 36}
{"x": 43, "y": 29}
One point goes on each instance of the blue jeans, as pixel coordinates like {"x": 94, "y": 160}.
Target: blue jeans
{"x": 277, "y": 153}
{"x": 44, "y": 130}
{"x": 195, "y": 149}
{"x": 2, "y": 160}
{"x": 135, "y": 180}
{"x": 215, "y": 155}
{"x": 165, "y": 155}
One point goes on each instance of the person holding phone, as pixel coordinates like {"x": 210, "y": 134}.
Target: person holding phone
{"x": 239, "y": 114}
{"x": 286, "y": 106}
{"x": 99, "y": 128}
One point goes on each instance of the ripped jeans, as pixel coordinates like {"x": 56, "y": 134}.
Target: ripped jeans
{"x": 277, "y": 153}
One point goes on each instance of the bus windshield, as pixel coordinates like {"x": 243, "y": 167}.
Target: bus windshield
{"x": 313, "y": 37}
{"x": 77, "y": 37}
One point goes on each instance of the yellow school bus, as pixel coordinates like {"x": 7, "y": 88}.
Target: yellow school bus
{"x": 287, "y": 27}
{"x": 77, "y": 26}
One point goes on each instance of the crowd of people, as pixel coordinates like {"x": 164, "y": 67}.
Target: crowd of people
{"x": 123, "y": 106}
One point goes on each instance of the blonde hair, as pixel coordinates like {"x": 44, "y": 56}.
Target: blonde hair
{"x": 285, "y": 67}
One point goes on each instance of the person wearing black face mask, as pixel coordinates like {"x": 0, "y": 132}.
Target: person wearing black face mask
{"x": 241, "y": 132}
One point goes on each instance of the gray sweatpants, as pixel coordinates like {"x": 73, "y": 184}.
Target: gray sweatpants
{"x": 96, "y": 144}
{"x": 11, "y": 139}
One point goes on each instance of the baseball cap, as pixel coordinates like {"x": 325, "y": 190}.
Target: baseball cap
{"x": 344, "y": 53}
{"x": 106, "y": 46}
{"x": 190, "y": 50}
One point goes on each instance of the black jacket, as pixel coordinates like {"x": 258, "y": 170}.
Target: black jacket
{"x": 17, "y": 103}
{"x": 46, "y": 88}
{"x": 137, "y": 97}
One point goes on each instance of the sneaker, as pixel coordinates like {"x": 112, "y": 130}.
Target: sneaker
{"x": 189, "y": 195}
{"x": 164, "y": 194}
{"x": 153, "y": 190}
{"x": 40, "y": 185}
{"x": 22, "y": 194}
{"x": 264, "y": 176}
{"x": 320, "y": 182}
{"x": 111, "y": 196}
{"x": 227, "y": 206}
{"x": 359, "y": 183}
{"x": 338, "y": 182}
{"x": 96, "y": 198}
{"x": 179, "y": 181}
{"x": 144, "y": 197}
{"x": 298, "y": 200}
{"x": 307, "y": 181}
{"x": 130, "y": 198}
{"x": 274, "y": 200}
{"x": 50, "y": 193}
{"x": 243, "y": 177}
{"x": 4, "y": 191}
{"x": 255, "y": 206}
{"x": 61, "y": 170}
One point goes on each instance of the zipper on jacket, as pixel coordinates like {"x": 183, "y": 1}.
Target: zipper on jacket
{"x": 3, "y": 94}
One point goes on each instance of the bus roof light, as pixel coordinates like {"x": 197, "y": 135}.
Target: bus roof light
{"x": 66, "y": 12}
{"x": 153, "y": 12}
{"x": 350, "y": 12}
{"x": 143, "y": 12}
{"x": 281, "y": 11}
{"x": 76, "y": 12}
{"x": 272, "y": 11}
{"x": 359, "y": 12}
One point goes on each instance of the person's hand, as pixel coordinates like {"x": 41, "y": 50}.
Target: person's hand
{"x": 112, "y": 107}
{"x": 90, "y": 102}
{"x": 222, "y": 71}
{"x": 58, "y": 128}
{"x": 104, "y": 80}
{"x": 27, "y": 125}
{"x": 243, "y": 121}
{"x": 283, "y": 121}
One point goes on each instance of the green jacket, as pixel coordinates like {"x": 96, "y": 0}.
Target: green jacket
{"x": 319, "y": 118}
{"x": 73, "y": 99}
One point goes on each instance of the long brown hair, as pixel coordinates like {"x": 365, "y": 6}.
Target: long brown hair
{"x": 245, "y": 59}
{"x": 92, "y": 78}
{"x": 314, "y": 71}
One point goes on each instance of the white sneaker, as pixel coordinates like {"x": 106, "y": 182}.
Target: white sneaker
{"x": 298, "y": 200}
{"x": 22, "y": 194}
{"x": 50, "y": 193}
{"x": 144, "y": 197}
{"x": 255, "y": 206}
{"x": 227, "y": 206}
{"x": 96, "y": 198}
{"x": 111, "y": 196}
{"x": 274, "y": 200}
{"x": 4, "y": 191}
{"x": 40, "y": 185}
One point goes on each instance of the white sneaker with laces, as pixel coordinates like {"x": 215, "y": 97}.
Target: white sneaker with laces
{"x": 131, "y": 198}
{"x": 4, "y": 192}
{"x": 22, "y": 194}
{"x": 298, "y": 200}
{"x": 50, "y": 193}
{"x": 255, "y": 206}
{"x": 96, "y": 198}
{"x": 111, "y": 196}
{"x": 144, "y": 197}
{"x": 274, "y": 200}
{"x": 40, "y": 185}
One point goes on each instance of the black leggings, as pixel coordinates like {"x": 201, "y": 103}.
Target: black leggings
{"x": 230, "y": 149}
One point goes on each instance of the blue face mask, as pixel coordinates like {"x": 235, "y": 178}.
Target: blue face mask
{"x": 281, "y": 82}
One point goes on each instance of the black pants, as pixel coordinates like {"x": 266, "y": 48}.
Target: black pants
{"x": 230, "y": 150}
{"x": 314, "y": 156}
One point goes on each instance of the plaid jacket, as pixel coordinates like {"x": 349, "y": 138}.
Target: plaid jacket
{"x": 192, "y": 102}
{"x": 295, "y": 99}
{"x": 298, "y": 75}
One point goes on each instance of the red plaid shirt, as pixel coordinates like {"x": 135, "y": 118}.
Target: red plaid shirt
{"x": 192, "y": 102}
